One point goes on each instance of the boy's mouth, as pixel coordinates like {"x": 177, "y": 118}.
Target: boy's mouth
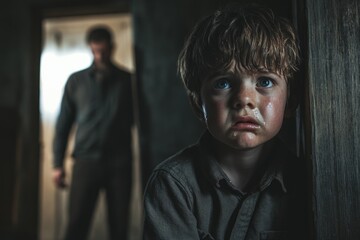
{"x": 245, "y": 123}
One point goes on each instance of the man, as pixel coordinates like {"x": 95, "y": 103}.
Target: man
{"x": 98, "y": 101}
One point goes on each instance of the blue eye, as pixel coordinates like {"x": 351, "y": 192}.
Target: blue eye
{"x": 265, "y": 82}
{"x": 221, "y": 84}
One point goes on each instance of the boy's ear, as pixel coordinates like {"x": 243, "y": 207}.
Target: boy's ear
{"x": 196, "y": 105}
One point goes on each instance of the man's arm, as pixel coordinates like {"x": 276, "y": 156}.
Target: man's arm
{"x": 167, "y": 206}
{"x": 62, "y": 129}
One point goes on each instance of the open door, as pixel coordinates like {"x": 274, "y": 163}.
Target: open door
{"x": 64, "y": 52}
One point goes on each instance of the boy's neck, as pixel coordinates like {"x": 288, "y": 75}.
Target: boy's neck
{"x": 243, "y": 167}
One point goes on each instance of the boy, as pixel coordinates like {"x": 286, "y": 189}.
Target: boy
{"x": 239, "y": 181}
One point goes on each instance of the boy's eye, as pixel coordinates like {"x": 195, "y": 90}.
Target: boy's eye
{"x": 222, "y": 83}
{"x": 265, "y": 82}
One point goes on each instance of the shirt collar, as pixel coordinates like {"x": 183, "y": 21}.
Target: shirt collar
{"x": 217, "y": 176}
{"x": 210, "y": 165}
{"x": 93, "y": 69}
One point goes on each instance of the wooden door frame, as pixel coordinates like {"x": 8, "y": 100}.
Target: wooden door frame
{"x": 26, "y": 214}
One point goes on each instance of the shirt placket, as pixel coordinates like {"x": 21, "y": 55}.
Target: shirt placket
{"x": 244, "y": 216}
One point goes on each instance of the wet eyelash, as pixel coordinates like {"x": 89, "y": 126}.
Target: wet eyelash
{"x": 221, "y": 84}
{"x": 269, "y": 80}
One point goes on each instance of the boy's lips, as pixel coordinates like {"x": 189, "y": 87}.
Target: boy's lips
{"x": 243, "y": 123}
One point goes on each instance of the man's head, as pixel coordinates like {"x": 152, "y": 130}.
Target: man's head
{"x": 237, "y": 66}
{"x": 249, "y": 37}
{"x": 101, "y": 45}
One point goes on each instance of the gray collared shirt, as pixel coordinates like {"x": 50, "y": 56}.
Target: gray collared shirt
{"x": 190, "y": 197}
{"x": 100, "y": 106}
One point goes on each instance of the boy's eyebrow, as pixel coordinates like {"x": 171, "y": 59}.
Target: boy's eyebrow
{"x": 234, "y": 68}
{"x": 220, "y": 74}
{"x": 267, "y": 71}
{"x": 272, "y": 74}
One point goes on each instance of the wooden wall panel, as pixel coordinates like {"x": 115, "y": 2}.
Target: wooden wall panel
{"x": 334, "y": 78}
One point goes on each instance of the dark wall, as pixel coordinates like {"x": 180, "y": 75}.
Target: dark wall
{"x": 17, "y": 120}
{"x": 160, "y": 30}
{"x": 334, "y": 78}
{"x": 8, "y": 130}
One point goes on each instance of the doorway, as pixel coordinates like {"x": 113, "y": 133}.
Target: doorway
{"x": 64, "y": 52}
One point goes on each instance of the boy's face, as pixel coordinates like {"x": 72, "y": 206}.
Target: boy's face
{"x": 244, "y": 110}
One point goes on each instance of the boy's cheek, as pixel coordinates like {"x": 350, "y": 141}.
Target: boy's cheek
{"x": 274, "y": 113}
{"x": 216, "y": 111}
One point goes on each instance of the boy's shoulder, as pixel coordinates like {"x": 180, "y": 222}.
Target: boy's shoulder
{"x": 181, "y": 163}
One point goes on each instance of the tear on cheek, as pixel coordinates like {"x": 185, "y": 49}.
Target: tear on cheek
{"x": 204, "y": 112}
{"x": 269, "y": 106}
{"x": 258, "y": 116}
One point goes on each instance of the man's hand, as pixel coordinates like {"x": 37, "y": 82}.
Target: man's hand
{"x": 59, "y": 177}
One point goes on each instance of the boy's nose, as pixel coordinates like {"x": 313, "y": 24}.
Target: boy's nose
{"x": 244, "y": 97}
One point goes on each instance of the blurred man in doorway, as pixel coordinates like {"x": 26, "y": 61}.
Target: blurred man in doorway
{"x": 98, "y": 101}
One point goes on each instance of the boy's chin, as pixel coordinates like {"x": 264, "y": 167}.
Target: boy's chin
{"x": 244, "y": 140}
